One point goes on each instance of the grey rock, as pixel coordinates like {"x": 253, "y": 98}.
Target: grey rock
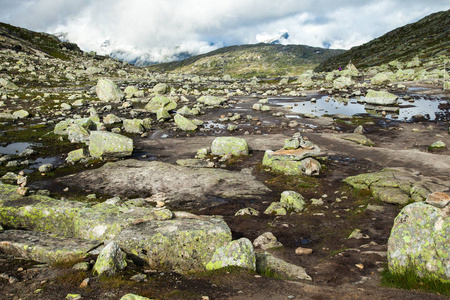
{"x": 108, "y": 91}
{"x": 266, "y": 241}
{"x": 267, "y": 264}
{"x": 110, "y": 259}
{"x": 238, "y": 253}
{"x": 108, "y": 144}
{"x": 229, "y": 145}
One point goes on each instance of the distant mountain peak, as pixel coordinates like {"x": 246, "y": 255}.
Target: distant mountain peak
{"x": 278, "y": 40}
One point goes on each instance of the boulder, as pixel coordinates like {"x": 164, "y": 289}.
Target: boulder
{"x": 133, "y": 297}
{"x": 397, "y": 186}
{"x": 292, "y": 201}
{"x": 266, "y": 264}
{"x": 77, "y": 133}
{"x": 130, "y": 91}
{"x": 380, "y": 98}
{"x": 358, "y": 138}
{"x": 420, "y": 241}
{"x": 76, "y": 155}
{"x": 342, "y": 82}
{"x": 238, "y": 253}
{"x": 184, "y": 244}
{"x": 110, "y": 259}
{"x": 197, "y": 187}
{"x": 108, "y": 91}
{"x": 160, "y": 102}
{"x": 211, "y": 100}
{"x": 276, "y": 208}
{"x": 20, "y": 114}
{"x": 107, "y": 144}
{"x": 160, "y": 88}
{"x": 266, "y": 241}
{"x": 380, "y": 78}
{"x": 292, "y": 162}
{"x": 8, "y": 84}
{"x": 229, "y": 146}
{"x": 133, "y": 125}
{"x": 111, "y": 119}
{"x": 184, "y": 123}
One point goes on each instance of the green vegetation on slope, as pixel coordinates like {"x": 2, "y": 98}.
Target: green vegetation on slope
{"x": 262, "y": 60}
{"x": 426, "y": 38}
{"x": 21, "y": 39}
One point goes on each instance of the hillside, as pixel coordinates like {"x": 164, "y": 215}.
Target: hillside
{"x": 36, "y": 43}
{"x": 426, "y": 38}
{"x": 251, "y": 60}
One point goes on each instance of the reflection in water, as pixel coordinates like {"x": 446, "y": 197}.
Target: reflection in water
{"x": 15, "y": 148}
{"x": 431, "y": 109}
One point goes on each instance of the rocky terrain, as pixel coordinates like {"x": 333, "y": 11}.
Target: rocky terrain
{"x": 209, "y": 187}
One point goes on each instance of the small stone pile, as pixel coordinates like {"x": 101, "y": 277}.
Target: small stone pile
{"x": 295, "y": 158}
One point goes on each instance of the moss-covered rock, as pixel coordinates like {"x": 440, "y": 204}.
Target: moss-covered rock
{"x": 276, "y": 208}
{"x": 289, "y": 165}
{"x": 238, "y": 253}
{"x": 292, "y": 201}
{"x": 76, "y": 155}
{"x": 211, "y": 100}
{"x": 133, "y": 125}
{"x": 107, "y": 144}
{"x": 229, "y": 145}
{"x": 420, "y": 240}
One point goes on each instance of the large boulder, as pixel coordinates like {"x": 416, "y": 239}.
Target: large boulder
{"x": 238, "y": 253}
{"x": 420, "y": 241}
{"x": 184, "y": 123}
{"x": 397, "y": 186}
{"x": 380, "y": 98}
{"x": 160, "y": 102}
{"x": 229, "y": 146}
{"x": 110, "y": 259}
{"x": 107, "y": 144}
{"x": 211, "y": 100}
{"x": 196, "y": 187}
{"x": 183, "y": 244}
{"x": 342, "y": 82}
{"x": 108, "y": 91}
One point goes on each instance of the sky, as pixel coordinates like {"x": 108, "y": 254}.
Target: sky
{"x": 163, "y": 28}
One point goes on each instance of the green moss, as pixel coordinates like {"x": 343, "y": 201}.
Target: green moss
{"x": 410, "y": 280}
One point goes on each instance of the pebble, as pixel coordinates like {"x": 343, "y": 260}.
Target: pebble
{"x": 84, "y": 283}
{"x": 303, "y": 251}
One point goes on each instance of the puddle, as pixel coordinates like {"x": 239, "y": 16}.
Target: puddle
{"x": 431, "y": 109}
{"x": 15, "y": 148}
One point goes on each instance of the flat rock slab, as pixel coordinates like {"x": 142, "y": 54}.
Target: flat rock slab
{"x": 44, "y": 248}
{"x": 198, "y": 187}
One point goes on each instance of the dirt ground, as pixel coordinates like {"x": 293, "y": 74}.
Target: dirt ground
{"x": 340, "y": 268}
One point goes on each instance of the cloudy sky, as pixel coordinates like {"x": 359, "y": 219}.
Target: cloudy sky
{"x": 163, "y": 27}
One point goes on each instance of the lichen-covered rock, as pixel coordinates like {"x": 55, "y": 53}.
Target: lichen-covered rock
{"x": 133, "y": 125}
{"x": 43, "y": 247}
{"x": 20, "y": 114}
{"x": 160, "y": 102}
{"x": 290, "y": 165}
{"x": 8, "y": 84}
{"x": 111, "y": 119}
{"x": 238, "y": 253}
{"x": 131, "y": 91}
{"x": 46, "y": 168}
{"x": 438, "y": 145}
{"x": 160, "y": 88}
{"x": 184, "y": 123}
{"x": 267, "y": 264}
{"x": 420, "y": 240}
{"x": 276, "y": 208}
{"x": 108, "y": 91}
{"x": 380, "y": 78}
{"x": 110, "y": 259}
{"x": 77, "y": 133}
{"x": 181, "y": 245}
{"x": 76, "y": 155}
{"x": 342, "y": 82}
{"x": 357, "y": 138}
{"x": 108, "y": 144}
{"x": 248, "y": 211}
{"x": 397, "y": 186}
{"x": 229, "y": 145}
{"x": 133, "y": 297}
{"x": 292, "y": 201}
{"x": 211, "y": 100}
{"x": 380, "y": 98}
{"x": 266, "y": 241}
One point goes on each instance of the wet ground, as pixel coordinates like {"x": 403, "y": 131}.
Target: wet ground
{"x": 341, "y": 268}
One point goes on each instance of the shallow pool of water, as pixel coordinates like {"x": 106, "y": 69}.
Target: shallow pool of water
{"x": 431, "y": 109}
{"x": 15, "y": 148}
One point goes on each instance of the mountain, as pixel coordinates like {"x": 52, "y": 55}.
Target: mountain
{"x": 425, "y": 38}
{"x": 245, "y": 61}
{"x": 43, "y": 44}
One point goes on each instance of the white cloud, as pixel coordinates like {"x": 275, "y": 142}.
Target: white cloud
{"x": 160, "y": 26}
